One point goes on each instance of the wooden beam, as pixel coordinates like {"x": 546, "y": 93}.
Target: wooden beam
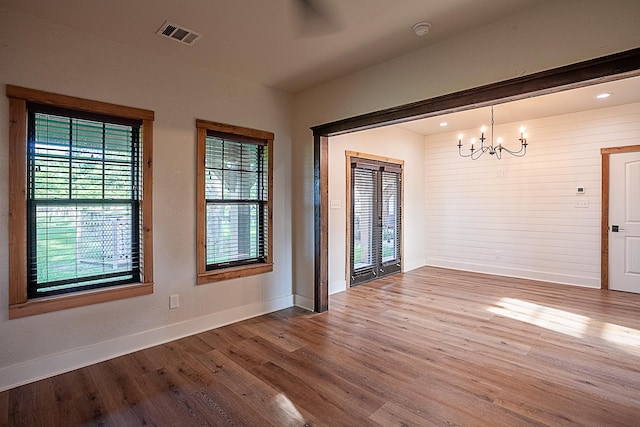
{"x": 599, "y": 70}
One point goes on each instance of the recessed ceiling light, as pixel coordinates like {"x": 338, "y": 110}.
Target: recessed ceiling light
{"x": 443, "y": 124}
{"x": 603, "y": 95}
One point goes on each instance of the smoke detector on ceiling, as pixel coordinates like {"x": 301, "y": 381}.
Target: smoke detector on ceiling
{"x": 422, "y": 28}
{"x": 179, "y": 33}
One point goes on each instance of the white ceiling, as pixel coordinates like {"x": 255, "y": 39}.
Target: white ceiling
{"x": 263, "y": 40}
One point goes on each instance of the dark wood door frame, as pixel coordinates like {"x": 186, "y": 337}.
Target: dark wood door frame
{"x": 586, "y": 73}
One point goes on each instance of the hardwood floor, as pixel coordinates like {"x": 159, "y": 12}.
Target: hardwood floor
{"x": 429, "y": 347}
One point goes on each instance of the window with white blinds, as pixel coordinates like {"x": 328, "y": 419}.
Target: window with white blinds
{"x": 234, "y": 203}
{"x": 82, "y": 201}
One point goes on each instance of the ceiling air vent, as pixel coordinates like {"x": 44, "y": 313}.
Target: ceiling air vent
{"x": 178, "y": 33}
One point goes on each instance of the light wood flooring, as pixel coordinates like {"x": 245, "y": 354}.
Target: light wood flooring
{"x": 428, "y": 347}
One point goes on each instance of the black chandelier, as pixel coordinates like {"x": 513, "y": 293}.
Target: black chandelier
{"x": 492, "y": 149}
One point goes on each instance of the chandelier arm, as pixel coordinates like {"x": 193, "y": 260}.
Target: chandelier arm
{"x": 521, "y": 152}
{"x": 513, "y": 153}
{"x": 475, "y": 155}
{"x": 460, "y": 151}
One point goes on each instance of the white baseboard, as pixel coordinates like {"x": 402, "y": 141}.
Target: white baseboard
{"x": 412, "y": 265}
{"x": 339, "y": 286}
{"x": 48, "y": 366}
{"x": 303, "y": 302}
{"x": 564, "y": 279}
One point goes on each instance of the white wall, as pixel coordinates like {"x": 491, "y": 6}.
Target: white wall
{"x": 41, "y": 55}
{"x": 391, "y": 142}
{"x": 520, "y": 216}
{"x": 553, "y": 34}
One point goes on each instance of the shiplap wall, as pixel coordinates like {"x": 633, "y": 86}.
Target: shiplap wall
{"x": 520, "y": 216}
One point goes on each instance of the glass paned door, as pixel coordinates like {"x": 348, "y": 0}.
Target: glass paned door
{"x": 390, "y": 217}
{"x": 375, "y": 220}
{"x": 364, "y": 218}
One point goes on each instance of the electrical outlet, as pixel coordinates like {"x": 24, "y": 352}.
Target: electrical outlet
{"x": 582, "y": 204}
{"x": 174, "y": 301}
{"x": 498, "y": 254}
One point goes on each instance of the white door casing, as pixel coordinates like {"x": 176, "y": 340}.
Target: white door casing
{"x": 624, "y": 222}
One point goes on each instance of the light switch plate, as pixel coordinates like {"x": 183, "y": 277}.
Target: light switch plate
{"x": 174, "y": 301}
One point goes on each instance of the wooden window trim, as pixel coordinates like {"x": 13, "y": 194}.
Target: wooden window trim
{"x": 208, "y": 276}
{"x": 19, "y": 305}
